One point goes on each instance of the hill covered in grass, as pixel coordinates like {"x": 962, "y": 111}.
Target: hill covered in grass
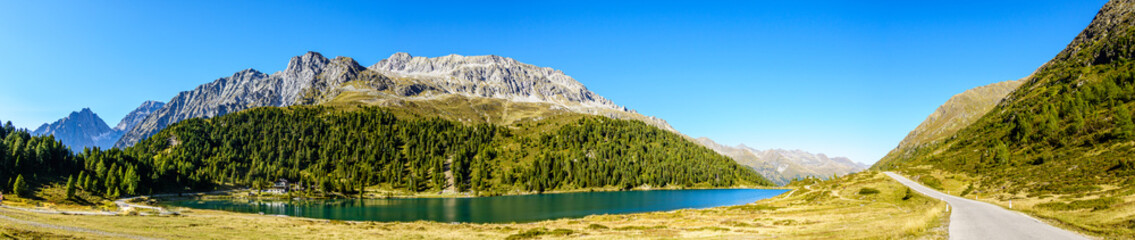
{"x": 957, "y": 113}
{"x": 1067, "y": 128}
{"x": 1064, "y": 137}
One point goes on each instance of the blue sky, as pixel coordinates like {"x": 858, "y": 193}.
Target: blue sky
{"x": 845, "y": 78}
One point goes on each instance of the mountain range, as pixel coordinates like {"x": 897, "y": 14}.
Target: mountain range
{"x": 782, "y": 166}
{"x": 471, "y": 89}
{"x": 312, "y": 79}
{"x": 85, "y": 129}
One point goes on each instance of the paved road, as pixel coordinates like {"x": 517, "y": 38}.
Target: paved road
{"x": 972, "y": 219}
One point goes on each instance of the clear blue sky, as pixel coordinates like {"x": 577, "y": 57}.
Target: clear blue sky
{"x": 846, "y": 78}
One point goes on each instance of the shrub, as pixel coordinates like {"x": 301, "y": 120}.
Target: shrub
{"x": 931, "y": 182}
{"x": 595, "y": 226}
{"x": 531, "y": 233}
{"x": 868, "y": 191}
{"x": 968, "y": 190}
{"x": 561, "y": 232}
{"x": 1094, "y": 204}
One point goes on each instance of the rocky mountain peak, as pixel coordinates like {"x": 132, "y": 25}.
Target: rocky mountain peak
{"x": 310, "y": 61}
{"x": 312, "y": 78}
{"x": 398, "y": 57}
{"x": 79, "y": 129}
{"x": 313, "y": 70}
{"x": 84, "y": 128}
{"x": 84, "y": 113}
{"x": 494, "y": 77}
{"x": 134, "y": 117}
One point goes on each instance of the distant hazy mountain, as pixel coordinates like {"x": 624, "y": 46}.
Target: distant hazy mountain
{"x": 958, "y": 112}
{"x": 79, "y": 129}
{"x": 781, "y": 166}
{"x": 84, "y": 128}
{"x": 313, "y": 79}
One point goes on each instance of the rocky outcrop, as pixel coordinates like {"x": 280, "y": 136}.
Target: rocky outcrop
{"x": 782, "y": 166}
{"x": 314, "y": 79}
{"x": 1106, "y": 39}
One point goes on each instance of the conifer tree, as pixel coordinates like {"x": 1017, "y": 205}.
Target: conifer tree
{"x": 19, "y": 187}
{"x": 70, "y": 187}
{"x": 1124, "y": 128}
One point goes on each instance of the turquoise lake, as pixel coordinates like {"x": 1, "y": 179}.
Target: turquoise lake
{"x": 500, "y": 209}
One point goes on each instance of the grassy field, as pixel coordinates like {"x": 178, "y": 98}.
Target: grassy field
{"x": 1106, "y": 211}
{"x": 839, "y": 208}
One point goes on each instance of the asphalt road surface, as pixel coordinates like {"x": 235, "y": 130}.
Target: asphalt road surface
{"x": 972, "y": 219}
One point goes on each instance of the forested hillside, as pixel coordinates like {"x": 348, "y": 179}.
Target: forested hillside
{"x": 26, "y": 160}
{"x": 332, "y": 150}
{"x": 28, "y": 163}
{"x": 345, "y": 150}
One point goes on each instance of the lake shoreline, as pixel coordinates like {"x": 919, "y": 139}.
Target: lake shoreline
{"x": 495, "y": 209}
{"x": 399, "y": 194}
{"x": 809, "y": 213}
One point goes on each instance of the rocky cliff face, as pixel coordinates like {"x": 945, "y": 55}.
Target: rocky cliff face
{"x": 957, "y": 113}
{"x": 314, "y": 79}
{"x": 781, "y": 166}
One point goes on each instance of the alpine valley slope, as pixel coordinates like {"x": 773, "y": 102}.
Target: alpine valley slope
{"x": 84, "y": 128}
{"x": 958, "y": 112}
{"x": 782, "y": 166}
{"x": 1060, "y": 145}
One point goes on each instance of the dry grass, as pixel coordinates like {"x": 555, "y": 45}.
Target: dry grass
{"x": 824, "y": 210}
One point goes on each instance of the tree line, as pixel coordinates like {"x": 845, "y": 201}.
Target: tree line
{"x": 344, "y": 151}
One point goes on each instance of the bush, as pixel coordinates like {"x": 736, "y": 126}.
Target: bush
{"x": 531, "y": 233}
{"x": 595, "y": 226}
{"x": 908, "y": 195}
{"x": 561, "y": 232}
{"x": 968, "y": 190}
{"x": 931, "y": 182}
{"x": 868, "y": 191}
{"x": 1094, "y": 204}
